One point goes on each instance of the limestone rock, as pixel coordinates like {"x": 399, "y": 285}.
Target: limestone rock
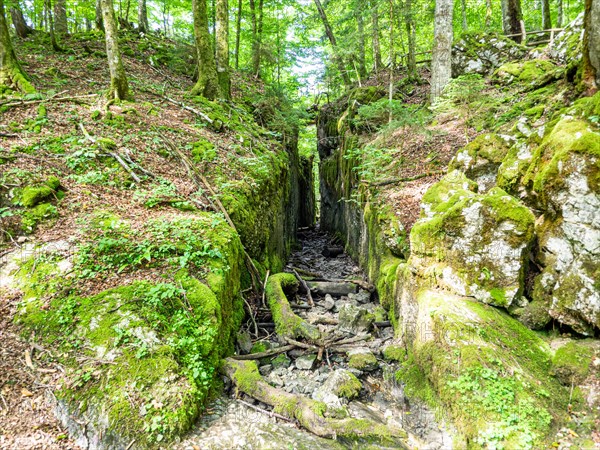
{"x": 481, "y": 53}
{"x": 480, "y": 160}
{"x": 342, "y": 383}
{"x": 305, "y": 362}
{"x": 524, "y": 72}
{"x": 328, "y": 303}
{"x": 362, "y": 359}
{"x": 567, "y": 47}
{"x": 355, "y": 319}
{"x": 475, "y": 245}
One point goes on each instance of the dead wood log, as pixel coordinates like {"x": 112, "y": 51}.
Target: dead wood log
{"x": 336, "y": 289}
{"x": 309, "y": 413}
{"x": 332, "y": 251}
{"x": 287, "y": 323}
{"x": 406, "y": 179}
{"x": 265, "y": 354}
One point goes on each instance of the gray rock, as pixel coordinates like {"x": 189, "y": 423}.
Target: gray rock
{"x": 342, "y": 383}
{"x": 281, "y": 361}
{"x": 362, "y": 359}
{"x": 305, "y": 362}
{"x": 355, "y": 319}
{"x": 328, "y": 303}
{"x": 361, "y": 297}
{"x": 265, "y": 370}
{"x": 244, "y": 342}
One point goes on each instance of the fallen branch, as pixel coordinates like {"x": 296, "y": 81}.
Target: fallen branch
{"x": 54, "y": 98}
{"x": 113, "y": 154}
{"x": 309, "y": 413}
{"x": 311, "y": 302}
{"x": 264, "y": 411}
{"x": 190, "y": 109}
{"x": 265, "y": 354}
{"x": 406, "y": 179}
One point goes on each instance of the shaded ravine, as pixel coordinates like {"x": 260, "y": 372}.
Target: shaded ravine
{"x": 238, "y": 421}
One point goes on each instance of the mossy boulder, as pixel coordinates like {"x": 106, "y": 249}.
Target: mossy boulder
{"x": 481, "y": 53}
{"x": 525, "y": 72}
{"x": 484, "y": 369}
{"x": 564, "y": 182}
{"x": 567, "y": 47}
{"x": 480, "y": 160}
{"x": 473, "y": 244}
{"x": 34, "y": 195}
{"x": 362, "y": 359}
{"x": 573, "y": 362}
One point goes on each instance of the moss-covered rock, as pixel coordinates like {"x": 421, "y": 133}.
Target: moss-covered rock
{"x": 33, "y": 195}
{"x": 572, "y": 362}
{"x": 480, "y": 159}
{"x": 475, "y": 245}
{"x": 362, "y": 359}
{"x": 526, "y": 72}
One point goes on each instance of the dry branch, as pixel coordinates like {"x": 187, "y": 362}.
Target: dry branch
{"x": 406, "y": 179}
{"x": 311, "y": 302}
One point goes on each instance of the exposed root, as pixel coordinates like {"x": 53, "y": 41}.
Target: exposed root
{"x": 287, "y": 323}
{"x": 309, "y": 413}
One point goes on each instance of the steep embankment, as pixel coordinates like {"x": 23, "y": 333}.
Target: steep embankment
{"x": 118, "y": 261}
{"x": 505, "y": 242}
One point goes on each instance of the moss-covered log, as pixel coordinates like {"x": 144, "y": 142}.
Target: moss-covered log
{"x": 11, "y": 74}
{"x": 309, "y": 413}
{"x": 287, "y": 323}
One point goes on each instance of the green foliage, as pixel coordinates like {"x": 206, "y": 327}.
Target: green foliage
{"x": 377, "y": 115}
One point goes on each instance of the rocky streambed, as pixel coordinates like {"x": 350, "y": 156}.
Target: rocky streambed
{"x": 353, "y": 373}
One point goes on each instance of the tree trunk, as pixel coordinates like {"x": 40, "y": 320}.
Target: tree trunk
{"x": 488, "y": 13}
{"x": 329, "y": 32}
{"x": 21, "y": 28}
{"x": 60, "y": 17}
{"x": 511, "y": 18}
{"x": 441, "y": 63}
{"x": 257, "y": 26}
{"x": 410, "y": 31}
{"x": 207, "y": 84}
{"x": 591, "y": 46}
{"x": 546, "y": 18}
{"x": 559, "y": 13}
{"x": 98, "y": 20}
{"x": 360, "y": 24}
{"x": 463, "y": 10}
{"x": 11, "y": 74}
{"x": 376, "y": 45}
{"x": 50, "y": 22}
{"x": 119, "y": 88}
{"x": 222, "y": 48}
{"x": 238, "y": 34}
{"x": 142, "y": 17}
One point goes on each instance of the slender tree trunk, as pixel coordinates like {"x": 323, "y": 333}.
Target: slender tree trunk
{"x": 21, "y": 28}
{"x": 207, "y": 84}
{"x": 119, "y": 87}
{"x": 559, "y": 13}
{"x": 11, "y": 74}
{"x": 463, "y": 10}
{"x": 98, "y": 20}
{"x": 441, "y": 64}
{"x": 488, "y": 13}
{"x": 411, "y": 32}
{"x": 222, "y": 48}
{"x": 88, "y": 25}
{"x": 143, "y": 26}
{"x": 329, "y": 32}
{"x": 591, "y": 46}
{"x": 392, "y": 62}
{"x": 257, "y": 26}
{"x": 60, "y": 17}
{"x": 546, "y": 18}
{"x": 238, "y": 34}
{"x": 376, "y": 45}
{"x": 360, "y": 24}
{"x": 50, "y": 22}
{"x": 511, "y": 18}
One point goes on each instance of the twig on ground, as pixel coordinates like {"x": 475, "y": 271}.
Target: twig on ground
{"x": 406, "y": 179}
{"x": 251, "y": 316}
{"x": 265, "y": 354}
{"x": 311, "y": 302}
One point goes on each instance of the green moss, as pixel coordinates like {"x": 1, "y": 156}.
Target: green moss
{"x": 394, "y": 352}
{"x": 350, "y": 388}
{"x": 33, "y": 216}
{"x": 524, "y": 72}
{"x": 33, "y": 195}
{"x": 571, "y": 363}
{"x": 203, "y": 151}
{"x": 362, "y": 361}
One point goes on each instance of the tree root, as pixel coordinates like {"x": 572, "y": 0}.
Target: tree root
{"x": 287, "y": 323}
{"x": 309, "y": 413}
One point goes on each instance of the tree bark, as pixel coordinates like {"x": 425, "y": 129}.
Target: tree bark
{"x": 21, "y": 28}
{"x": 207, "y": 84}
{"x": 222, "y": 48}
{"x": 51, "y": 28}
{"x": 463, "y": 10}
{"x": 238, "y": 34}
{"x": 511, "y": 18}
{"x": 11, "y": 74}
{"x": 360, "y": 25}
{"x": 546, "y": 18}
{"x": 378, "y": 64}
{"x": 143, "y": 26}
{"x": 410, "y": 31}
{"x": 441, "y": 63}
{"x": 559, "y": 13}
{"x": 98, "y": 20}
{"x": 257, "y": 28}
{"x": 60, "y": 17}
{"x": 119, "y": 87}
{"x": 329, "y": 32}
{"x": 488, "y": 13}
{"x": 591, "y": 46}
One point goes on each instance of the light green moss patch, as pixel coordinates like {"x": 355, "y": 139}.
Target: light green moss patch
{"x": 573, "y": 361}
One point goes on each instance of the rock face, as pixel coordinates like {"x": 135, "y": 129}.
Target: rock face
{"x": 567, "y": 48}
{"x": 564, "y": 181}
{"x": 481, "y": 53}
{"x": 474, "y": 244}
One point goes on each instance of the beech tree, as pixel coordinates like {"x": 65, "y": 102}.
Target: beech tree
{"x": 377, "y": 62}
{"x": 143, "y": 26}
{"x": 441, "y": 64}
{"x": 21, "y": 28}
{"x": 60, "y": 17}
{"x": 329, "y": 32}
{"x": 591, "y": 46}
{"x": 222, "y": 47}
{"x": 119, "y": 87}
{"x": 12, "y": 75}
{"x": 512, "y": 16}
{"x": 207, "y": 84}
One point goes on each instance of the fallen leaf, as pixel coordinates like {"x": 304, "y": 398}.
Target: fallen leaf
{"x": 26, "y": 393}
{"x": 28, "y": 360}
